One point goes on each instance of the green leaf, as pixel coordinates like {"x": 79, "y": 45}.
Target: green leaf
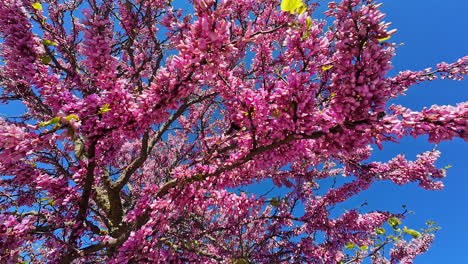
{"x": 412, "y": 232}
{"x": 349, "y": 245}
{"x": 198, "y": 177}
{"x": 327, "y": 67}
{"x": 292, "y": 5}
{"x": 275, "y": 201}
{"x": 383, "y": 39}
{"x": 49, "y": 42}
{"x": 46, "y": 60}
{"x": 380, "y": 231}
{"x": 308, "y": 23}
{"x": 308, "y": 27}
{"x": 53, "y": 121}
{"x": 104, "y": 109}
{"x": 448, "y": 167}
{"x": 394, "y": 222}
{"x": 276, "y": 113}
{"x": 70, "y": 117}
{"x": 37, "y": 6}
{"x": 364, "y": 247}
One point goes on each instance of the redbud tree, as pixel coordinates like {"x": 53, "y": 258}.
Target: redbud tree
{"x": 142, "y": 121}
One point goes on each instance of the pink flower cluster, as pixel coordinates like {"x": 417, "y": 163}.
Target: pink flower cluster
{"x": 405, "y": 251}
{"x": 146, "y": 127}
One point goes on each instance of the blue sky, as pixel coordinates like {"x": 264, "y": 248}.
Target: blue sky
{"x": 433, "y": 31}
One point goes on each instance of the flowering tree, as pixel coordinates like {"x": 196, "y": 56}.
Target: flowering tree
{"x": 142, "y": 120}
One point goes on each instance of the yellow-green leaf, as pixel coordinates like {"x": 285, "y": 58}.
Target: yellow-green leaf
{"x": 276, "y": 113}
{"x": 46, "y": 60}
{"x": 48, "y": 42}
{"x": 448, "y": 167}
{"x": 198, "y": 177}
{"x": 291, "y": 6}
{"x": 37, "y": 6}
{"x": 70, "y": 117}
{"x": 364, "y": 247}
{"x": 308, "y": 27}
{"x": 275, "y": 201}
{"x": 380, "y": 231}
{"x": 412, "y": 232}
{"x": 364, "y": 44}
{"x": 383, "y": 39}
{"x": 349, "y": 245}
{"x": 104, "y": 109}
{"x": 53, "y": 121}
{"x": 308, "y": 23}
{"x": 394, "y": 222}
{"x": 327, "y": 67}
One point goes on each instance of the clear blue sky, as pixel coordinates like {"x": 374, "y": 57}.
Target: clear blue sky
{"x": 433, "y": 31}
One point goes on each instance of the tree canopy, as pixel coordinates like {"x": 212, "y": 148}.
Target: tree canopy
{"x": 143, "y": 122}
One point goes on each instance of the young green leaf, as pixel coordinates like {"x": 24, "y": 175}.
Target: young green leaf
{"x": 364, "y": 247}
{"x": 198, "y": 177}
{"x": 276, "y": 113}
{"x": 37, "y": 6}
{"x": 70, "y": 117}
{"x": 349, "y": 245}
{"x": 394, "y": 222}
{"x": 292, "y": 5}
{"x": 275, "y": 201}
{"x": 412, "y": 232}
{"x": 380, "y": 231}
{"x": 327, "y": 67}
{"x": 308, "y": 27}
{"x": 104, "y": 109}
{"x": 308, "y": 23}
{"x": 46, "y": 60}
{"x": 47, "y": 42}
{"x": 383, "y": 39}
{"x": 53, "y": 121}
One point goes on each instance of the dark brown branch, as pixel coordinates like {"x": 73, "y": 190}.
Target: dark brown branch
{"x": 83, "y": 204}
